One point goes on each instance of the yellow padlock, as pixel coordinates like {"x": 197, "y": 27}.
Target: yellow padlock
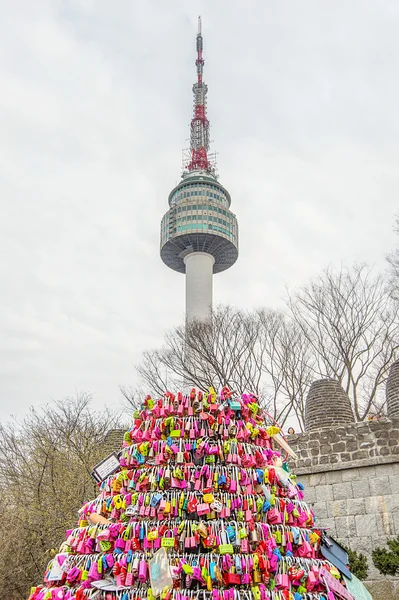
{"x": 153, "y": 535}
{"x": 208, "y": 498}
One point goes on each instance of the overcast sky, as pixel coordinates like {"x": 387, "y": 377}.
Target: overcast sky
{"x": 95, "y": 105}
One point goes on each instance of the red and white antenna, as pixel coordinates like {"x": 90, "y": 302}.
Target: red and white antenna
{"x": 199, "y": 134}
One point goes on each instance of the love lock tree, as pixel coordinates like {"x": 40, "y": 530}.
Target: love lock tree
{"x": 200, "y": 502}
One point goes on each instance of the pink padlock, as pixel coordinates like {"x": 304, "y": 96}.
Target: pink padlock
{"x": 93, "y": 574}
{"x": 203, "y": 509}
{"x": 282, "y": 581}
{"x": 120, "y": 544}
{"x": 142, "y": 571}
{"x": 110, "y": 560}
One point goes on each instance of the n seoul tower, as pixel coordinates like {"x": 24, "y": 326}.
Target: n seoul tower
{"x": 199, "y": 234}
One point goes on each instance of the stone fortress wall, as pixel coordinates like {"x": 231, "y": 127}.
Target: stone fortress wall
{"x": 351, "y": 472}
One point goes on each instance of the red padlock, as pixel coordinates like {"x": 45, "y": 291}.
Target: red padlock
{"x": 231, "y": 579}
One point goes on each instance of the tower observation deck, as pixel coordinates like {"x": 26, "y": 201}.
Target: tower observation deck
{"x": 199, "y": 233}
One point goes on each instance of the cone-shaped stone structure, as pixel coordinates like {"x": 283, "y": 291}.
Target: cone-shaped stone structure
{"x": 393, "y": 391}
{"x": 327, "y": 405}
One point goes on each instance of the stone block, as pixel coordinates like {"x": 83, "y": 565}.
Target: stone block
{"x": 361, "y": 488}
{"x": 395, "y": 519}
{"x": 337, "y": 508}
{"x": 317, "y": 479}
{"x": 373, "y": 504}
{"x": 379, "y": 485}
{"x": 394, "y": 483}
{"x": 351, "y": 446}
{"x": 320, "y": 510}
{"x": 385, "y": 451}
{"x": 381, "y": 432}
{"x": 360, "y": 454}
{"x": 382, "y": 589}
{"x": 356, "y": 506}
{"x": 350, "y": 474}
{"x": 310, "y": 495}
{"x": 361, "y": 544}
{"x": 381, "y": 440}
{"x": 385, "y": 524}
{"x": 342, "y": 490}
{"x": 390, "y": 503}
{"x": 344, "y": 541}
{"x": 367, "y": 446}
{"x": 324, "y": 493}
{"x": 305, "y": 479}
{"x": 394, "y": 466}
{"x": 314, "y": 443}
{"x": 333, "y": 477}
{"x": 345, "y": 526}
{"x": 345, "y": 457}
{"x": 339, "y": 447}
{"x": 325, "y": 449}
{"x": 328, "y": 524}
{"x": 366, "y": 525}
{"x": 324, "y": 435}
{"x": 367, "y": 472}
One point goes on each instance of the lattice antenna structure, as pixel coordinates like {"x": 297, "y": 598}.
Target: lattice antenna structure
{"x": 199, "y": 128}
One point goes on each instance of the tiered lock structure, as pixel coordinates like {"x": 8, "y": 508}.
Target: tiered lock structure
{"x": 200, "y": 477}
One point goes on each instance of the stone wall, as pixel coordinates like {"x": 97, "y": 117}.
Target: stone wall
{"x": 113, "y": 441}
{"x": 351, "y": 478}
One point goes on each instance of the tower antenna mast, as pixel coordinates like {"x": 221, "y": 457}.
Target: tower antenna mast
{"x": 199, "y": 134}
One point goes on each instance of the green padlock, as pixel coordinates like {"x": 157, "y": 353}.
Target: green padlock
{"x": 105, "y": 545}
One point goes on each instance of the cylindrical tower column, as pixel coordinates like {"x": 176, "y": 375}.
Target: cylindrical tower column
{"x": 393, "y": 391}
{"x": 199, "y": 274}
{"x": 327, "y": 405}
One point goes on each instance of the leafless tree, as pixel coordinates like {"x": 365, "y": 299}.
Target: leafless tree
{"x": 343, "y": 325}
{"x": 393, "y": 260}
{"x": 218, "y": 352}
{"x": 248, "y": 351}
{"x": 352, "y": 326}
{"x": 287, "y": 362}
{"x": 45, "y": 465}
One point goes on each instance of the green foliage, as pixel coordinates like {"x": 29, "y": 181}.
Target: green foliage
{"x": 387, "y": 561}
{"x": 358, "y": 564}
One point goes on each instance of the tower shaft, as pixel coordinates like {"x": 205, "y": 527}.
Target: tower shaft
{"x": 199, "y": 285}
